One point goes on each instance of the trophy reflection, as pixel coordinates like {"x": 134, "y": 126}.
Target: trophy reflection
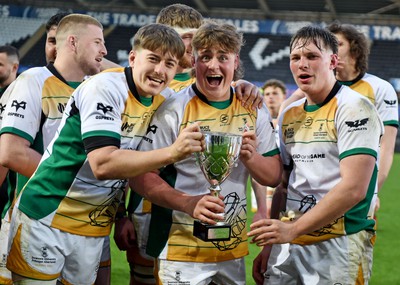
{"x": 216, "y": 162}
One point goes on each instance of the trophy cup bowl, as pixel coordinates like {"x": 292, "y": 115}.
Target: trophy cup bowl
{"x": 216, "y": 162}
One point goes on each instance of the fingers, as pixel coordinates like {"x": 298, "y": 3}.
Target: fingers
{"x": 208, "y": 209}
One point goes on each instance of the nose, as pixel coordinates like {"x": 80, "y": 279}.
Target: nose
{"x": 213, "y": 63}
{"x": 159, "y": 68}
{"x": 104, "y": 50}
{"x": 303, "y": 63}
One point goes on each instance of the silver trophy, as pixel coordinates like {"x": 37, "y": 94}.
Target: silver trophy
{"x": 216, "y": 162}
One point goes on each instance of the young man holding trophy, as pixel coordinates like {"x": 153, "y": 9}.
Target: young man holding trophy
{"x": 231, "y": 131}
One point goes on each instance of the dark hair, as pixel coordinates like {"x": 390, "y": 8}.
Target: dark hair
{"x": 359, "y": 44}
{"x": 55, "y": 19}
{"x": 10, "y": 51}
{"x": 316, "y": 35}
{"x": 275, "y": 83}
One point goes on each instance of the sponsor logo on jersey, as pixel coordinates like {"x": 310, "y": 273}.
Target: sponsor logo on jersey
{"x": 127, "y": 127}
{"x": 224, "y": 119}
{"x": 289, "y": 133}
{"x": 150, "y": 129}
{"x": 104, "y": 109}
{"x": 297, "y": 157}
{"x": 357, "y": 125}
{"x": 18, "y": 105}
{"x": 390, "y": 102}
{"x": 321, "y": 133}
{"x": 308, "y": 122}
{"x": 61, "y": 107}
{"x": 205, "y": 129}
{"x": 2, "y": 108}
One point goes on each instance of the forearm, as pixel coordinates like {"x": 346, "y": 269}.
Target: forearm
{"x": 260, "y": 194}
{"x": 388, "y": 142}
{"x": 151, "y": 186}
{"x": 265, "y": 170}
{"x": 16, "y": 154}
{"x": 113, "y": 163}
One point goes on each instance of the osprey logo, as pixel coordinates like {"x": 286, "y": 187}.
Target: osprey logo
{"x": 390, "y": 102}
{"x": 2, "y": 108}
{"x": 61, "y": 107}
{"x": 224, "y": 118}
{"x": 105, "y": 109}
{"x": 152, "y": 128}
{"x": 18, "y": 105}
{"x": 357, "y": 123}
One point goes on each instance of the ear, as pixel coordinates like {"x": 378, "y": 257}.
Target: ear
{"x": 15, "y": 67}
{"x": 193, "y": 60}
{"x": 131, "y": 58}
{"x": 237, "y": 61}
{"x": 334, "y": 61}
{"x": 72, "y": 42}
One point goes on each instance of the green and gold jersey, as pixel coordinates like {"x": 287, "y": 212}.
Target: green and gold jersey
{"x": 181, "y": 81}
{"x": 313, "y": 140}
{"x": 171, "y": 232}
{"x": 32, "y": 108}
{"x": 63, "y": 192}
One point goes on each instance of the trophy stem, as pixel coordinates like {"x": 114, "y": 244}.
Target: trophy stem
{"x": 215, "y": 189}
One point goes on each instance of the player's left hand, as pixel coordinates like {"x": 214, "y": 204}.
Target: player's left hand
{"x": 249, "y": 94}
{"x": 249, "y": 146}
{"x": 270, "y": 231}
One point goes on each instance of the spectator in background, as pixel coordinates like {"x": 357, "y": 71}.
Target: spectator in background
{"x": 274, "y": 92}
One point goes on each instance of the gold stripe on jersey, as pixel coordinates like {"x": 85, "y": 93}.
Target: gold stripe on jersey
{"x": 365, "y": 89}
{"x": 55, "y": 96}
{"x": 297, "y": 124}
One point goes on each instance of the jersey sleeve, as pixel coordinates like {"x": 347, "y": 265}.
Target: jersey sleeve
{"x": 359, "y": 127}
{"x": 23, "y": 108}
{"x": 387, "y": 104}
{"x": 164, "y": 126}
{"x": 265, "y": 133}
{"x": 100, "y": 103}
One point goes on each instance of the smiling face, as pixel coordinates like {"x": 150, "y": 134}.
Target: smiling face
{"x": 90, "y": 49}
{"x": 152, "y": 71}
{"x": 312, "y": 67}
{"x": 214, "y": 72}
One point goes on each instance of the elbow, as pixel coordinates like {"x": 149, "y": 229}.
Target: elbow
{"x": 101, "y": 173}
{"x": 6, "y": 160}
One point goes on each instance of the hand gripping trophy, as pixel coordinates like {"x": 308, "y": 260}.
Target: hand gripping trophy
{"x": 216, "y": 162}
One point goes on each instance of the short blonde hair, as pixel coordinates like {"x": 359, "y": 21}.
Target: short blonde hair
{"x": 160, "y": 37}
{"x": 74, "y": 24}
{"x": 181, "y": 16}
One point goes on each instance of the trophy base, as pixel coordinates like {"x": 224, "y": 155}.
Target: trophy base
{"x": 206, "y": 232}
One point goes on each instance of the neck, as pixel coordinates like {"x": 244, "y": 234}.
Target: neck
{"x": 69, "y": 69}
{"x": 347, "y": 75}
{"x": 319, "y": 96}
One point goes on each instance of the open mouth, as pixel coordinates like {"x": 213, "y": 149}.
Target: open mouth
{"x": 157, "y": 80}
{"x": 304, "y": 76}
{"x": 214, "y": 80}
